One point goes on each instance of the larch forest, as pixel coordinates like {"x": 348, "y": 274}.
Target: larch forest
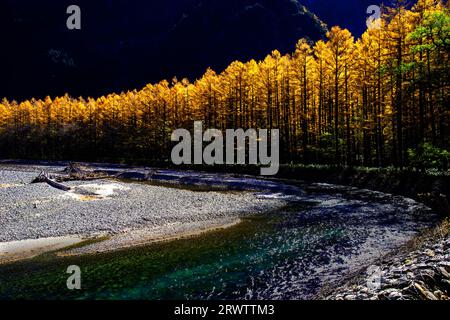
{"x": 370, "y": 101}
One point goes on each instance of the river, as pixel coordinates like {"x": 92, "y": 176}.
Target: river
{"x": 323, "y": 234}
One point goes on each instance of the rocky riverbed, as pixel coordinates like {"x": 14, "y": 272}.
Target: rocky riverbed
{"x": 420, "y": 270}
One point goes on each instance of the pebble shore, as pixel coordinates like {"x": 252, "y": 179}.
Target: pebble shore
{"x": 421, "y": 273}
{"x": 111, "y": 207}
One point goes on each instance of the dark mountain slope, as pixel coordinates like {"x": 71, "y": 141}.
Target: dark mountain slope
{"x": 126, "y": 44}
{"x": 350, "y": 14}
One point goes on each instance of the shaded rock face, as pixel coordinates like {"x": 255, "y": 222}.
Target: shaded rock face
{"x": 126, "y": 44}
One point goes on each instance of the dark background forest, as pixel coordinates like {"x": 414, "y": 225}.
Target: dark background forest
{"x": 376, "y": 96}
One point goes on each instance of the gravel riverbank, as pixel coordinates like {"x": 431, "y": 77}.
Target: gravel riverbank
{"x": 111, "y": 207}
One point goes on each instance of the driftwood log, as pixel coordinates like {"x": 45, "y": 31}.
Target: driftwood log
{"x": 73, "y": 172}
{"x": 44, "y": 177}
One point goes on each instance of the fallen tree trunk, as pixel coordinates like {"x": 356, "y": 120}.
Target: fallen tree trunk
{"x": 43, "y": 177}
{"x": 74, "y": 172}
{"x": 61, "y": 178}
{"x": 56, "y": 185}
